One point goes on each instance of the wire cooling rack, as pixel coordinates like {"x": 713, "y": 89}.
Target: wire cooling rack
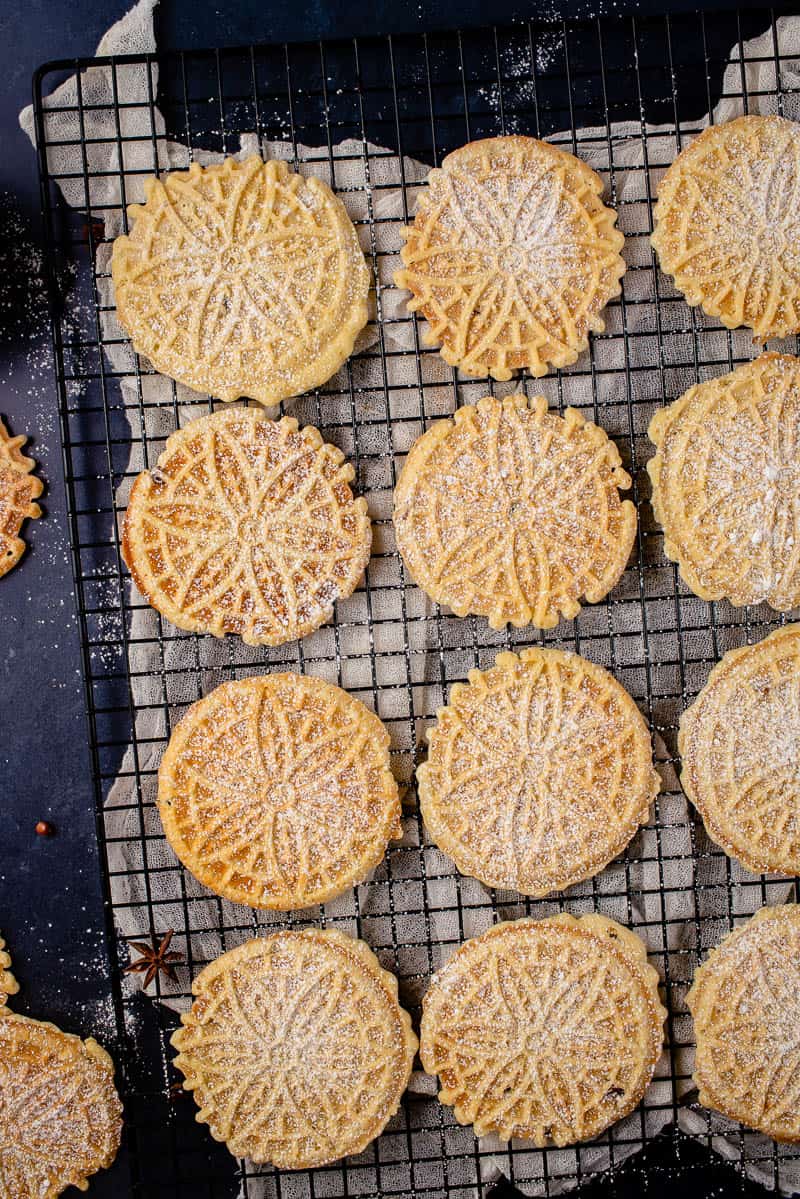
{"x": 404, "y": 98}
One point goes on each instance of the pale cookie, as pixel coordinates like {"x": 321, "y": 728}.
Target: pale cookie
{"x": 548, "y": 1030}
{"x": 296, "y": 1048}
{"x": 512, "y": 257}
{"x": 8, "y": 984}
{"x": 726, "y": 483}
{"x": 60, "y": 1115}
{"x": 745, "y": 1003}
{"x": 276, "y": 791}
{"x": 246, "y": 526}
{"x": 243, "y": 279}
{"x": 727, "y": 224}
{"x": 539, "y": 772}
{"x": 18, "y": 490}
{"x": 740, "y": 747}
{"x": 512, "y": 512}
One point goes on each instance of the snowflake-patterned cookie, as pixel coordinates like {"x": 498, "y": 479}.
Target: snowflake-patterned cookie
{"x": 512, "y": 257}
{"x": 547, "y": 1030}
{"x": 740, "y": 747}
{"x": 539, "y": 772}
{"x": 726, "y": 483}
{"x": 276, "y": 791}
{"x": 60, "y": 1115}
{"x": 18, "y": 490}
{"x": 243, "y": 279}
{"x": 745, "y": 1003}
{"x": 8, "y": 984}
{"x": 727, "y": 224}
{"x": 247, "y": 526}
{"x": 296, "y": 1048}
{"x": 513, "y": 513}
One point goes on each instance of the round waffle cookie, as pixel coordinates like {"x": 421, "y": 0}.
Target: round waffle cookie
{"x": 242, "y": 279}
{"x": 8, "y": 984}
{"x": 740, "y": 747}
{"x": 745, "y": 1003}
{"x": 511, "y": 512}
{"x": 727, "y": 226}
{"x": 276, "y": 791}
{"x": 512, "y": 257}
{"x": 726, "y": 486}
{"x": 539, "y": 772}
{"x": 548, "y": 1030}
{"x": 60, "y": 1115}
{"x": 296, "y": 1048}
{"x": 18, "y": 489}
{"x": 246, "y": 526}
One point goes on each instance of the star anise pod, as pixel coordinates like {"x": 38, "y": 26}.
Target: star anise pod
{"x": 155, "y": 959}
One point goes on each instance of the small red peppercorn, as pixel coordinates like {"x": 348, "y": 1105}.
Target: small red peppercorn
{"x": 44, "y": 828}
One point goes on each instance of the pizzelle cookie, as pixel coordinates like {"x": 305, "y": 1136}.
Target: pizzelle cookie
{"x": 276, "y": 791}
{"x": 8, "y": 984}
{"x": 739, "y": 744}
{"x": 726, "y": 485}
{"x": 242, "y": 279}
{"x": 512, "y": 512}
{"x": 539, "y": 772}
{"x": 18, "y": 490}
{"x": 727, "y": 226}
{"x": 246, "y": 526}
{"x": 512, "y": 257}
{"x": 296, "y": 1048}
{"x": 745, "y": 1003}
{"x": 60, "y": 1115}
{"x": 548, "y": 1030}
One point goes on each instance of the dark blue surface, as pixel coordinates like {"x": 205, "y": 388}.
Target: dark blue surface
{"x": 50, "y": 895}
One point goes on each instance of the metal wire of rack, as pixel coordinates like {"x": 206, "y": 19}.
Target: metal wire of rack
{"x": 401, "y": 98}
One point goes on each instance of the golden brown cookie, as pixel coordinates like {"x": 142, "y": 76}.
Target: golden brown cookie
{"x": 247, "y": 526}
{"x": 296, "y": 1048}
{"x": 548, "y": 1030}
{"x": 8, "y": 984}
{"x": 60, "y": 1115}
{"x": 727, "y": 224}
{"x": 739, "y": 747}
{"x": 276, "y": 791}
{"x": 726, "y": 487}
{"x": 18, "y": 489}
{"x": 539, "y": 772}
{"x": 745, "y": 1003}
{"x": 512, "y": 512}
{"x": 242, "y": 279}
{"x": 512, "y": 257}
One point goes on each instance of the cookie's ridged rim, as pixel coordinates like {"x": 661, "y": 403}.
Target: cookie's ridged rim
{"x": 71, "y": 1045}
{"x": 439, "y": 431}
{"x": 657, "y": 431}
{"x": 11, "y": 448}
{"x": 356, "y": 953}
{"x": 373, "y": 854}
{"x": 695, "y": 1001}
{"x": 688, "y": 726}
{"x": 447, "y": 843}
{"x": 685, "y": 283}
{"x": 318, "y": 370}
{"x": 605, "y": 227}
{"x": 142, "y": 490}
{"x": 8, "y": 984}
{"x": 606, "y": 933}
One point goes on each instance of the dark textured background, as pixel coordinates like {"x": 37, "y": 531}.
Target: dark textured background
{"x": 50, "y": 898}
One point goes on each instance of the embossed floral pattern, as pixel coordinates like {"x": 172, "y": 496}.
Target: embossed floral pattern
{"x": 247, "y": 526}
{"x": 511, "y": 257}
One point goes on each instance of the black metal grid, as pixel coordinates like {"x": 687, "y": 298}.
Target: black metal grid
{"x": 419, "y": 96}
